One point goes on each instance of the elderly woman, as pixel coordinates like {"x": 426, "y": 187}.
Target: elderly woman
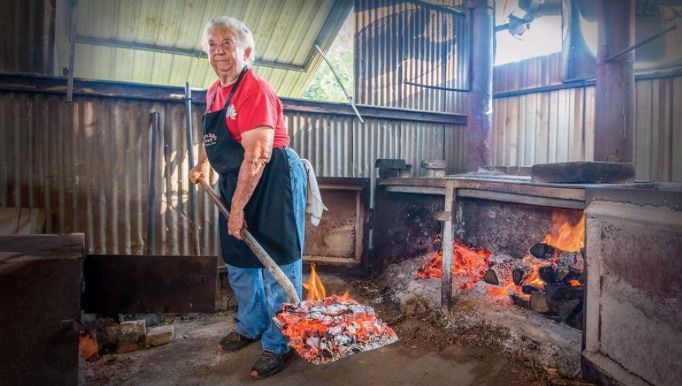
{"x": 261, "y": 180}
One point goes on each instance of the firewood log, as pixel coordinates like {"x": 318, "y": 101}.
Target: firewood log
{"x": 544, "y": 251}
{"x": 538, "y": 302}
{"x": 500, "y": 273}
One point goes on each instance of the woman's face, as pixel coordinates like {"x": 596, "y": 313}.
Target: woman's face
{"x": 226, "y": 55}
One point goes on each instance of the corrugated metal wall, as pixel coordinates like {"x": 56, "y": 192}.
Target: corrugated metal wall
{"x": 88, "y": 163}
{"x": 342, "y": 147}
{"x": 407, "y": 52}
{"x": 27, "y": 36}
{"x": 557, "y": 126}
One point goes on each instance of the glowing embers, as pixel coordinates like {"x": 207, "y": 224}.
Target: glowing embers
{"x": 548, "y": 280}
{"x": 468, "y": 262}
{"x": 324, "y": 329}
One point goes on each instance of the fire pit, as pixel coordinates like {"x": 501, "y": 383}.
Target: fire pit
{"x": 548, "y": 280}
{"x": 519, "y": 291}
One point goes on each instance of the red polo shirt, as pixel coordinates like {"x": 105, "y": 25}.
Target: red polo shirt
{"x": 255, "y": 104}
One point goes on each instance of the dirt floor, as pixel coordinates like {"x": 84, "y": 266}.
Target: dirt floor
{"x": 425, "y": 354}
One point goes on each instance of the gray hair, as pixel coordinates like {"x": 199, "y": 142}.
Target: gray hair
{"x": 240, "y": 29}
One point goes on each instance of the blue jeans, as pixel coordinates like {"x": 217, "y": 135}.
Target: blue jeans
{"x": 260, "y": 297}
{"x": 258, "y": 294}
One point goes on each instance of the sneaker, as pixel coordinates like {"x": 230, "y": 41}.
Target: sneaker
{"x": 234, "y": 341}
{"x": 269, "y": 363}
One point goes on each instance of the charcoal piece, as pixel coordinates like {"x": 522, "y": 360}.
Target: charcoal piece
{"x": 529, "y": 289}
{"x": 575, "y": 319}
{"x": 568, "y": 308}
{"x": 520, "y": 273}
{"x": 563, "y": 291}
{"x": 542, "y": 251}
{"x": 490, "y": 277}
{"x": 520, "y": 301}
{"x": 573, "y": 260}
{"x": 538, "y": 302}
{"x": 569, "y": 311}
{"x": 547, "y": 274}
{"x": 565, "y": 274}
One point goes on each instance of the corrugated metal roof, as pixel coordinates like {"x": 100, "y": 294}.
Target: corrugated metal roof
{"x": 159, "y": 42}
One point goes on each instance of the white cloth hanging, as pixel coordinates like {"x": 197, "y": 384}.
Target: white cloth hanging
{"x": 314, "y": 204}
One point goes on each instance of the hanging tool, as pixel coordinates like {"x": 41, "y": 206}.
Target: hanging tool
{"x": 190, "y": 158}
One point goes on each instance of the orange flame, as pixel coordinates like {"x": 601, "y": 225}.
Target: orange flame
{"x": 566, "y": 236}
{"x": 533, "y": 278}
{"x": 574, "y": 282}
{"x": 314, "y": 286}
{"x": 345, "y": 297}
{"x": 87, "y": 346}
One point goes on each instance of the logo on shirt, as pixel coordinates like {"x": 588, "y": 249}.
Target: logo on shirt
{"x": 210, "y": 139}
{"x": 231, "y": 112}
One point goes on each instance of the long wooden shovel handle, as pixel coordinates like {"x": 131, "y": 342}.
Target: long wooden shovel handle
{"x": 256, "y": 248}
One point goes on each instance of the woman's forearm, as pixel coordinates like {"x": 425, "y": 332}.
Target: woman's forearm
{"x": 257, "y": 145}
{"x": 250, "y": 173}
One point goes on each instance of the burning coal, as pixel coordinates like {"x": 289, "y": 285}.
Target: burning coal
{"x": 468, "y": 261}
{"x": 324, "y": 329}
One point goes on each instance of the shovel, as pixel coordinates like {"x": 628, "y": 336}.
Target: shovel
{"x": 256, "y": 248}
{"x": 378, "y": 336}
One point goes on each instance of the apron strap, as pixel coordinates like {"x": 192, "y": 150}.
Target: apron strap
{"x": 210, "y": 103}
{"x": 234, "y": 89}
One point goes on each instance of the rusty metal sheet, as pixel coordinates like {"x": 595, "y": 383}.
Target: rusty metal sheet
{"x": 138, "y": 284}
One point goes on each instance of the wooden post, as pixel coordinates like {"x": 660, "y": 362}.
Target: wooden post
{"x": 480, "y": 110}
{"x": 615, "y": 86}
{"x": 448, "y": 233}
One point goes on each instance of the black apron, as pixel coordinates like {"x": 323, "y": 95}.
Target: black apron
{"x": 269, "y": 214}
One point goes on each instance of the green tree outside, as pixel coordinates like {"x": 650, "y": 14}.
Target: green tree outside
{"x": 323, "y": 86}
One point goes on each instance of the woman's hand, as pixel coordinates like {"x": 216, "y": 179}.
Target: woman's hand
{"x": 202, "y": 167}
{"x": 199, "y": 171}
{"x": 235, "y": 224}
